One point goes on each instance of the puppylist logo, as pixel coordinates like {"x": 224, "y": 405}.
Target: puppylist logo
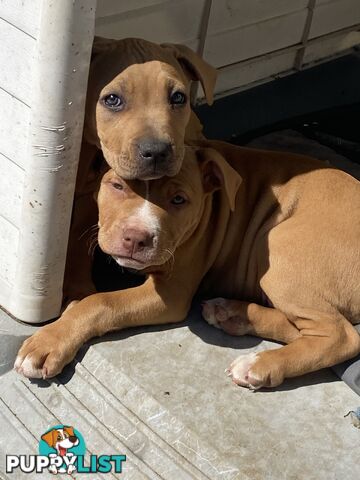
{"x": 62, "y": 450}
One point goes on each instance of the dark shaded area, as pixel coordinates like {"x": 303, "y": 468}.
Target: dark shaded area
{"x": 328, "y": 92}
{"x": 109, "y": 276}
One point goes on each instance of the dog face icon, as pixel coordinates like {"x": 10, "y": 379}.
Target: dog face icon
{"x": 61, "y": 439}
{"x": 57, "y": 445}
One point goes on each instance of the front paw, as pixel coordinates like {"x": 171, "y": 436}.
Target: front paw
{"x": 45, "y": 353}
{"x": 256, "y": 370}
{"x": 241, "y": 373}
{"x": 52, "y": 469}
{"x": 226, "y": 315}
{"x": 71, "y": 469}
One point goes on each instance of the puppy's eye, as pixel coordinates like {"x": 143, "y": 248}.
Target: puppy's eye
{"x": 178, "y": 98}
{"x": 113, "y": 101}
{"x": 117, "y": 186}
{"x": 178, "y": 200}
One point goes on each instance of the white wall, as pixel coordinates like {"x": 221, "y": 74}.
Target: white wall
{"x": 155, "y": 20}
{"x": 18, "y": 30}
{"x": 250, "y": 41}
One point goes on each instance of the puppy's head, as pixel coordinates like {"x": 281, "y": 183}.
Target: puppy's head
{"x": 141, "y": 223}
{"x": 64, "y": 437}
{"x": 138, "y": 104}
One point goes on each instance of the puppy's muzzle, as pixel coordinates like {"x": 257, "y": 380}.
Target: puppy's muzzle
{"x": 155, "y": 158}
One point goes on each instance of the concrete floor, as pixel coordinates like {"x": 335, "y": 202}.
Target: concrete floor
{"x": 160, "y": 396}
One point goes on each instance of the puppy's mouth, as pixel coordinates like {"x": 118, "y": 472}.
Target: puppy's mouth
{"x": 62, "y": 451}
{"x": 130, "y": 262}
{"x": 140, "y": 263}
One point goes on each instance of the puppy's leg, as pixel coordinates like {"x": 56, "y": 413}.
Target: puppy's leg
{"x": 45, "y": 353}
{"x": 242, "y": 318}
{"x": 323, "y": 342}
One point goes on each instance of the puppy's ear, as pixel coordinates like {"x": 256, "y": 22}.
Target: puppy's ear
{"x": 217, "y": 173}
{"x": 196, "y": 67}
{"x": 50, "y": 438}
{"x": 101, "y": 45}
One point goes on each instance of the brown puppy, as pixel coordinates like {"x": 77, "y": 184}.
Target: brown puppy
{"x": 138, "y": 113}
{"x": 280, "y": 230}
{"x": 138, "y": 104}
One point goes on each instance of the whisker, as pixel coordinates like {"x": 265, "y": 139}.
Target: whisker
{"x": 94, "y": 227}
{"x": 171, "y": 260}
{"x": 93, "y": 243}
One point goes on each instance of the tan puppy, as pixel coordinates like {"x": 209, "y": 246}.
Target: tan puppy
{"x": 280, "y": 230}
{"x": 138, "y": 104}
{"x": 138, "y": 114}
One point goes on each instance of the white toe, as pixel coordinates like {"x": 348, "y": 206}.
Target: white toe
{"x": 18, "y": 362}
{"x": 239, "y": 370}
{"x": 26, "y": 368}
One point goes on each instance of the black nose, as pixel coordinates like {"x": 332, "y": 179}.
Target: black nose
{"x": 154, "y": 151}
{"x": 72, "y": 439}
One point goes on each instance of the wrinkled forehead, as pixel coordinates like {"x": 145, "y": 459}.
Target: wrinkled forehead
{"x": 144, "y": 62}
{"x": 154, "y": 76}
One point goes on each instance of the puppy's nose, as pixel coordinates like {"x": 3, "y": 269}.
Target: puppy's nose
{"x": 72, "y": 439}
{"x": 135, "y": 240}
{"x": 154, "y": 151}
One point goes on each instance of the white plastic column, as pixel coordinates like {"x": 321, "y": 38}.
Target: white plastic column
{"x": 59, "y": 90}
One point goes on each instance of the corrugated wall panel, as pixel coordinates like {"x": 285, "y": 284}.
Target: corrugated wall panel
{"x": 24, "y": 14}
{"x": 250, "y": 41}
{"x": 106, "y": 8}
{"x": 331, "y": 46}
{"x": 16, "y": 60}
{"x": 232, "y": 14}
{"x": 242, "y": 75}
{"x": 329, "y": 17}
{"x": 14, "y": 126}
{"x": 9, "y": 239}
{"x": 11, "y": 182}
{"x": 237, "y": 30}
{"x": 177, "y": 22}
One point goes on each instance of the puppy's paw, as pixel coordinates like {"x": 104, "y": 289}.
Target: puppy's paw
{"x": 45, "y": 353}
{"x": 214, "y": 311}
{"x": 226, "y": 315}
{"x": 257, "y": 370}
{"x": 241, "y": 371}
{"x": 53, "y": 469}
